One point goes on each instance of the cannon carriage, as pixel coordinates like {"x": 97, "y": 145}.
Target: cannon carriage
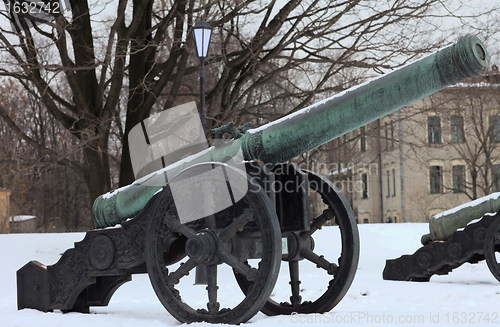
{"x": 155, "y": 225}
{"x": 251, "y": 238}
{"x": 466, "y": 234}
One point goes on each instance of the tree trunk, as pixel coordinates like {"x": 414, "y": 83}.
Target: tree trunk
{"x": 140, "y": 65}
{"x": 126, "y": 172}
{"x": 474, "y": 174}
{"x": 96, "y": 172}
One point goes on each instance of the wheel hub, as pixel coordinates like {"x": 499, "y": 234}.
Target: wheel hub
{"x": 202, "y": 247}
{"x": 296, "y": 243}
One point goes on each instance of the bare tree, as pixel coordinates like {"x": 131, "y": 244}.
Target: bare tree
{"x": 42, "y": 186}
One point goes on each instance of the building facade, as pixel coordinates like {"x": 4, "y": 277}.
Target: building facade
{"x": 439, "y": 153}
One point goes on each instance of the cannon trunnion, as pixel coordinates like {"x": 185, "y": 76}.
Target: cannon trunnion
{"x": 267, "y": 227}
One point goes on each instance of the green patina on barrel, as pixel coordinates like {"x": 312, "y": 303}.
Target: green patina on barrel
{"x": 313, "y": 126}
{"x": 442, "y": 226}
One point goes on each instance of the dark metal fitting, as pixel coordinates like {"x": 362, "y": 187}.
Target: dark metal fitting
{"x": 202, "y": 247}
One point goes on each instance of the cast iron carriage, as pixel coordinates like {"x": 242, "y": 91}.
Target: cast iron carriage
{"x": 466, "y": 234}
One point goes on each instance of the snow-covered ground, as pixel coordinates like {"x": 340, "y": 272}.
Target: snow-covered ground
{"x": 468, "y": 296}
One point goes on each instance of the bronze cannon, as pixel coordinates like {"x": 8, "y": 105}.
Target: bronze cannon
{"x": 261, "y": 228}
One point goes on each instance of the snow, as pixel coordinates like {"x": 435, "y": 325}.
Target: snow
{"x": 469, "y": 295}
{"x": 482, "y": 84}
{"x": 113, "y": 193}
{"x": 492, "y": 196}
{"x": 21, "y": 218}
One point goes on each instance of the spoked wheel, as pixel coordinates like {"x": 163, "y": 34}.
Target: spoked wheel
{"x": 492, "y": 248}
{"x": 247, "y": 230}
{"x": 338, "y": 272}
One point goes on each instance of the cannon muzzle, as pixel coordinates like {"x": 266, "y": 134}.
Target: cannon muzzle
{"x": 308, "y": 128}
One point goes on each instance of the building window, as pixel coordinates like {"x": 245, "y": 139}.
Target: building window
{"x": 364, "y": 185}
{"x": 434, "y": 129}
{"x": 388, "y": 184}
{"x": 495, "y": 128}
{"x": 457, "y": 129}
{"x": 436, "y": 179}
{"x": 458, "y": 173}
{"x": 496, "y": 178}
{"x": 394, "y": 182}
{"x": 362, "y": 139}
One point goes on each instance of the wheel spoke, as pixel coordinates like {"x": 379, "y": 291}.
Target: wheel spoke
{"x": 319, "y": 222}
{"x": 240, "y": 266}
{"x": 212, "y": 305}
{"x": 237, "y": 225}
{"x": 200, "y": 242}
{"x": 295, "y": 299}
{"x": 183, "y": 270}
{"x": 320, "y": 261}
{"x": 175, "y": 225}
{"x": 340, "y": 273}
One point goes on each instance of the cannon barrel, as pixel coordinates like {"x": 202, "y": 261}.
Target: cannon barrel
{"x": 319, "y": 123}
{"x": 443, "y": 225}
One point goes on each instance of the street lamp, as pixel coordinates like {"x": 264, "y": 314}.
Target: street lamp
{"x": 202, "y": 31}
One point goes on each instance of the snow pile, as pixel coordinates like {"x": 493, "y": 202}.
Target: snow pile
{"x": 21, "y": 218}
{"x": 481, "y": 84}
{"x": 469, "y": 296}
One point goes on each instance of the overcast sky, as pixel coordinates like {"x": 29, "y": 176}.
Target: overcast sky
{"x": 487, "y": 26}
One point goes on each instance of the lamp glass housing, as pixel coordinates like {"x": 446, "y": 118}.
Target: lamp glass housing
{"x": 202, "y": 32}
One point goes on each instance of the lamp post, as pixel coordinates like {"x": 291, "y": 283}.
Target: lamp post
{"x": 202, "y": 31}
